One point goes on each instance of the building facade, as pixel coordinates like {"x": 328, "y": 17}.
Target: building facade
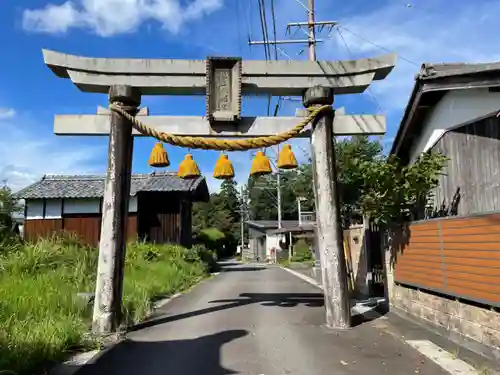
{"x": 444, "y": 268}
{"x": 160, "y": 207}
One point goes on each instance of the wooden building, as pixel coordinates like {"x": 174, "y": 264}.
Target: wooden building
{"x": 264, "y": 235}
{"x": 446, "y": 268}
{"x": 160, "y": 207}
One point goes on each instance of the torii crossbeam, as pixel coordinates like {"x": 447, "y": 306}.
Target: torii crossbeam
{"x": 224, "y": 80}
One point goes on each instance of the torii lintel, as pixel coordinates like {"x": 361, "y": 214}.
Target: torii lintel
{"x": 189, "y": 77}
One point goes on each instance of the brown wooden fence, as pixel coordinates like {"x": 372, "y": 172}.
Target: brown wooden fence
{"x": 454, "y": 256}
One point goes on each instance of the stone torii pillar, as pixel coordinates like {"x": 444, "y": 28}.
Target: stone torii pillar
{"x": 223, "y": 81}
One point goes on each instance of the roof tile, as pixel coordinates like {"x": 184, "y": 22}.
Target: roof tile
{"x": 91, "y": 186}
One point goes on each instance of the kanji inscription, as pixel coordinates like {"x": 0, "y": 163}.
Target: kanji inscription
{"x": 223, "y": 89}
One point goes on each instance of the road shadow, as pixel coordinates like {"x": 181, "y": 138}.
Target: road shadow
{"x": 228, "y": 264}
{"x": 278, "y": 299}
{"x": 241, "y": 269}
{"x": 264, "y": 299}
{"x": 187, "y": 357}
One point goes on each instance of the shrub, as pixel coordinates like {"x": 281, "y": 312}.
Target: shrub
{"x": 41, "y": 318}
{"x": 301, "y": 252}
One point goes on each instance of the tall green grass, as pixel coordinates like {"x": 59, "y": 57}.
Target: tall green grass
{"x": 41, "y": 318}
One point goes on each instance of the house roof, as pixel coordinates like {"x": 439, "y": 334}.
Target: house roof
{"x": 92, "y": 186}
{"x": 431, "y": 84}
{"x": 272, "y": 224}
{"x": 307, "y": 227}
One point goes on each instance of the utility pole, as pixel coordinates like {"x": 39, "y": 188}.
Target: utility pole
{"x": 312, "y": 36}
{"x": 311, "y": 26}
{"x": 242, "y": 215}
{"x": 328, "y": 232}
{"x": 277, "y": 198}
{"x": 299, "y": 199}
{"x": 278, "y": 187}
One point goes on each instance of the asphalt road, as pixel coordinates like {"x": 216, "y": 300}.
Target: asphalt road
{"x": 255, "y": 320}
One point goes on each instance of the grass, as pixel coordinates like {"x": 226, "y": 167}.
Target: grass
{"x": 41, "y": 318}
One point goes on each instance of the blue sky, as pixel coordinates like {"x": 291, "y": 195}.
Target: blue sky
{"x": 30, "y": 94}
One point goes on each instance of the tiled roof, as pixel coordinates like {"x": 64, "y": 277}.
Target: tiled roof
{"x": 63, "y": 186}
{"x": 443, "y": 77}
{"x": 272, "y": 224}
{"x": 438, "y": 70}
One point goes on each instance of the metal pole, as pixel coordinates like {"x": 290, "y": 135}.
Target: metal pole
{"x": 312, "y": 37}
{"x": 278, "y": 183}
{"x": 242, "y": 213}
{"x": 109, "y": 283}
{"x": 300, "y": 211}
{"x": 278, "y": 188}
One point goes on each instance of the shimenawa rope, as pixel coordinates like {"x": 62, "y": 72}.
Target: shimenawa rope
{"x": 214, "y": 143}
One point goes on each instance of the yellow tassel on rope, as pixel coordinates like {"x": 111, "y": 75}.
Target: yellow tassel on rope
{"x": 223, "y": 168}
{"x": 158, "y": 157}
{"x": 188, "y": 168}
{"x": 286, "y": 159}
{"x": 260, "y": 165}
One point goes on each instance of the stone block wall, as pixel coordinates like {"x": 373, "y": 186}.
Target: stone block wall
{"x": 477, "y": 328}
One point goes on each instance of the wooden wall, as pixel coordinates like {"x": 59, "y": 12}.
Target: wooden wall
{"x": 34, "y": 229}
{"x": 471, "y": 183}
{"x": 454, "y": 256}
{"x": 155, "y": 217}
{"x": 164, "y": 218}
{"x": 86, "y": 227}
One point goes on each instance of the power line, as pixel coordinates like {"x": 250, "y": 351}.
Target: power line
{"x": 239, "y": 18}
{"x": 263, "y": 27}
{"x": 352, "y": 57}
{"x": 378, "y": 46}
{"x": 249, "y": 19}
{"x": 274, "y": 30}
{"x": 267, "y": 51}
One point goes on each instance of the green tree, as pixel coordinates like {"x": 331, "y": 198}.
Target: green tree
{"x": 369, "y": 182}
{"x": 230, "y": 197}
{"x": 8, "y": 207}
{"x": 221, "y": 214}
{"x": 262, "y": 197}
{"x": 395, "y": 194}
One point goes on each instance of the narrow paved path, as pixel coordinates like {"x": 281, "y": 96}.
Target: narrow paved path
{"x": 255, "y": 320}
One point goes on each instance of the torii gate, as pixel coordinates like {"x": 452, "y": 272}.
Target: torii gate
{"x": 223, "y": 80}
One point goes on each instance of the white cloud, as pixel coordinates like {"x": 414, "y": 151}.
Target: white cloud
{"x": 429, "y": 31}
{"x": 26, "y": 156}
{"x": 112, "y": 17}
{"x": 6, "y": 113}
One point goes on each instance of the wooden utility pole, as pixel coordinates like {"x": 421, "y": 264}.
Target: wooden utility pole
{"x": 109, "y": 283}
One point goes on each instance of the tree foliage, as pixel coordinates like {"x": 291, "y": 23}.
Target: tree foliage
{"x": 392, "y": 193}
{"x": 8, "y": 207}
{"x": 370, "y": 184}
{"x": 220, "y": 215}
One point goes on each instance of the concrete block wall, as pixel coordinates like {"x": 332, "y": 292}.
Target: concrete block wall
{"x": 477, "y": 328}
{"x": 355, "y": 237}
